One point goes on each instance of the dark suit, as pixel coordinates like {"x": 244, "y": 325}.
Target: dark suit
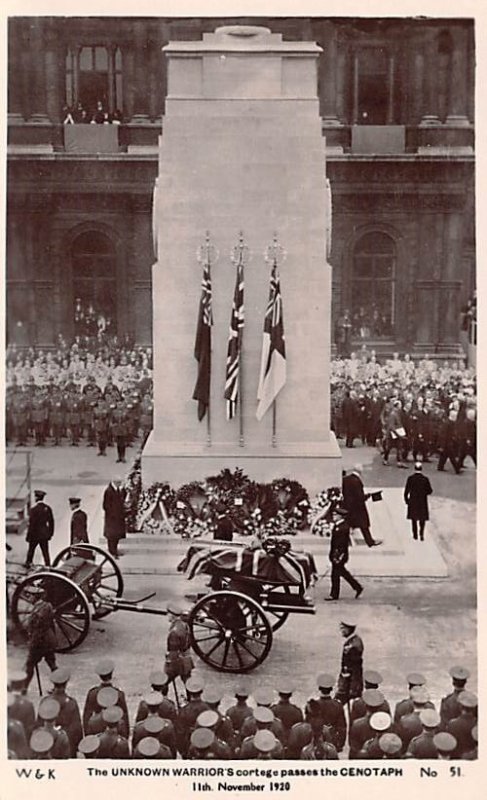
{"x": 114, "y": 508}
{"x": 79, "y": 527}
{"x": 350, "y": 680}
{"x": 340, "y": 539}
{"x": 39, "y": 531}
{"x": 416, "y": 494}
{"x": 354, "y": 501}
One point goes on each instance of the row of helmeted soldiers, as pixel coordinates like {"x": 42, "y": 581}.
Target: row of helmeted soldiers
{"x": 265, "y": 728}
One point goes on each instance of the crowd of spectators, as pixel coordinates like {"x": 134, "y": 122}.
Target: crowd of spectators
{"x": 469, "y": 318}
{"x": 78, "y": 115}
{"x": 258, "y": 723}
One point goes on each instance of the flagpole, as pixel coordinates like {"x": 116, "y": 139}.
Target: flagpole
{"x": 208, "y": 409}
{"x": 274, "y": 427}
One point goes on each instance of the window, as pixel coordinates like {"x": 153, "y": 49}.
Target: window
{"x": 373, "y": 87}
{"x": 93, "y": 74}
{"x": 373, "y": 279}
{"x": 94, "y": 280}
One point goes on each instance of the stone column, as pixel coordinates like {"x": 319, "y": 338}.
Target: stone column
{"x": 15, "y": 73}
{"x": 417, "y": 104}
{"x": 457, "y": 106}
{"x": 390, "y": 99}
{"x": 327, "y": 66}
{"x": 140, "y": 115}
{"x": 430, "y": 108}
{"x": 341, "y": 105}
{"x": 128, "y": 81}
{"x": 38, "y": 107}
{"x": 54, "y": 56}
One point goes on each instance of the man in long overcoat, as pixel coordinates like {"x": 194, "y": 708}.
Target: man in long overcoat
{"x": 416, "y": 494}
{"x": 79, "y": 522}
{"x": 354, "y": 499}
{"x": 114, "y": 508}
{"x": 40, "y": 528}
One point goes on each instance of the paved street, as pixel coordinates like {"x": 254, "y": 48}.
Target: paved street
{"x": 407, "y": 624}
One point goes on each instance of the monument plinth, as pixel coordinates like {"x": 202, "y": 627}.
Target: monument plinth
{"x": 242, "y": 150}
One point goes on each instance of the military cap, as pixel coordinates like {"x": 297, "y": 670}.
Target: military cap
{"x": 285, "y": 688}
{"x": 325, "y": 681}
{"x": 372, "y": 677}
{"x": 17, "y": 679}
{"x": 264, "y": 741}
{"x": 444, "y": 742}
{"x": 349, "y": 621}
{"x": 207, "y": 719}
{"x": 60, "y": 676}
{"x": 264, "y": 697}
{"x": 88, "y": 745}
{"x": 112, "y": 714}
{"x": 106, "y": 697}
{"x": 202, "y": 738}
{"x": 415, "y": 679}
{"x": 39, "y": 494}
{"x": 429, "y": 718}
{"x": 263, "y": 715}
{"x": 154, "y": 725}
{"x": 390, "y": 743}
{"x": 242, "y": 691}
{"x": 468, "y": 700}
{"x": 41, "y": 741}
{"x": 153, "y": 699}
{"x": 158, "y": 678}
{"x": 459, "y": 673}
{"x": 194, "y": 685}
{"x": 372, "y": 698}
{"x": 104, "y": 667}
{"x": 419, "y": 695}
{"x": 211, "y": 695}
{"x": 380, "y": 721}
{"x": 148, "y": 747}
{"x": 49, "y": 708}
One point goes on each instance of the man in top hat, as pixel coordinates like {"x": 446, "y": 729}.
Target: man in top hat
{"x": 445, "y": 745}
{"x": 338, "y": 517}
{"x": 406, "y": 706}
{"x": 390, "y": 746}
{"x": 450, "y": 706}
{"x": 69, "y": 717}
{"x": 361, "y": 730}
{"x": 350, "y": 681}
{"x": 416, "y": 492}
{"x": 461, "y": 727}
{"x": 41, "y": 633}
{"x": 240, "y": 710}
{"x": 354, "y": 499}
{"x": 112, "y": 743}
{"x": 154, "y": 725}
{"x": 330, "y": 710}
{"x": 263, "y": 720}
{"x": 372, "y": 680}
{"x": 48, "y": 713}
{"x": 423, "y": 745}
{"x": 79, "y": 522}
{"x": 40, "y": 528}
{"x": 16, "y": 736}
{"x": 166, "y": 710}
{"x": 178, "y": 662}
{"x": 105, "y": 670}
{"x": 114, "y": 508}
{"x": 22, "y": 708}
{"x": 151, "y": 747}
{"x": 381, "y": 723}
{"x": 289, "y": 713}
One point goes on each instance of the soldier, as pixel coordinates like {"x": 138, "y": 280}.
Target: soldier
{"x": 224, "y": 728}
{"x": 321, "y": 747}
{"x": 406, "y": 706}
{"x": 372, "y": 680}
{"x": 105, "y": 698}
{"x": 189, "y": 713}
{"x": 287, "y": 712}
{"x": 471, "y": 755}
{"x": 421, "y": 431}
{"x": 111, "y": 393}
{"x": 112, "y": 743}
{"x": 38, "y": 418}
{"x": 41, "y": 744}
{"x": 410, "y": 724}
{"x": 263, "y": 720}
{"x": 40, "y": 528}
{"x": 361, "y": 730}
{"x": 381, "y": 723}
{"x": 88, "y": 747}
{"x": 461, "y": 727}
{"x": 338, "y": 517}
{"x": 100, "y": 413}
{"x": 331, "y": 711}
{"x": 154, "y": 725}
{"x": 41, "y": 633}
{"x": 201, "y": 744}
{"x": 16, "y": 735}
{"x": 146, "y": 417}
{"x": 119, "y": 429}
{"x": 48, "y": 714}
{"x": 450, "y": 706}
{"x": 423, "y": 746}
{"x": 22, "y": 709}
{"x": 21, "y": 417}
{"x": 91, "y": 395}
{"x": 301, "y": 733}
{"x": 445, "y": 745}
{"x": 74, "y": 417}
{"x": 240, "y": 711}
{"x": 150, "y": 747}
{"x": 57, "y": 417}
{"x": 350, "y": 680}
{"x": 266, "y": 746}
{"x": 105, "y": 671}
{"x": 69, "y": 717}
{"x": 210, "y": 719}
{"x": 264, "y": 699}
{"x": 167, "y": 709}
{"x": 178, "y": 661}
{"x": 390, "y": 746}
{"x": 449, "y": 443}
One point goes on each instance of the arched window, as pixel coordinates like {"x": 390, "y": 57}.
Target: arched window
{"x": 94, "y": 73}
{"x": 373, "y": 282}
{"x": 94, "y": 282}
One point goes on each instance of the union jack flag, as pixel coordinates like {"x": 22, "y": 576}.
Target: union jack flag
{"x": 273, "y": 360}
{"x": 235, "y": 344}
{"x": 202, "y": 345}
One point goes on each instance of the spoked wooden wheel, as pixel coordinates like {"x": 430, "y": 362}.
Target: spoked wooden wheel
{"x": 106, "y": 583}
{"x": 277, "y": 618}
{"x": 71, "y": 610}
{"x": 230, "y": 631}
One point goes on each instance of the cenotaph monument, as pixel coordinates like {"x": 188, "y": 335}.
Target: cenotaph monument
{"x": 242, "y": 168}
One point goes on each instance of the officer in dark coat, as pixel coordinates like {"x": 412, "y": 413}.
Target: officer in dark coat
{"x": 166, "y": 710}
{"x": 114, "y": 508}
{"x": 40, "y": 528}
{"x": 105, "y": 670}
{"x": 101, "y": 423}
{"x": 372, "y": 680}
{"x": 56, "y": 416}
{"x": 330, "y": 710}
{"x": 22, "y": 709}
{"x": 154, "y": 725}
{"x": 423, "y": 746}
{"x": 416, "y": 492}
{"x": 350, "y": 416}
{"x": 449, "y": 443}
{"x": 350, "y": 680}
{"x": 16, "y": 736}
{"x": 361, "y": 730}
{"x": 79, "y": 522}
{"x": 41, "y": 633}
{"x": 240, "y": 710}
{"x": 339, "y": 544}
{"x": 450, "y": 705}
{"x": 354, "y": 499}
{"x": 69, "y": 717}
{"x": 461, "y": 727}
{"x": 112, "y": 743}
{"x": 119, "y": 426}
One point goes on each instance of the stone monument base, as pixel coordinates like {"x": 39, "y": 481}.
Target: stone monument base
{"x": 316, "y": 466}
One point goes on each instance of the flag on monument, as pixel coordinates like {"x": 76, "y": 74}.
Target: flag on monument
{"x": 235, "y": 344}
{"x": 202, "y": 345}
{"x": 273, "y": 362}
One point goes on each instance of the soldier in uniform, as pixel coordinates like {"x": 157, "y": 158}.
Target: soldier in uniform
{"x": 74, "y": 417}
{"x": 41, "y": 633}
{"x": 390, "y": 746}
{"x": 321, "y": 747}
{"x": 264, "y": 699}
{"x": 338, "y": 517}
{"x": 266, "y": 746}
{"x": 178, "y": 661}
{"x": 56, "y": 416}
{"x": 445, "y": 745}
{"x": 37, "y": 417}
{"x": 111, "y": 393}
{"x": 350, "y": 681}
{"x": 69, "y": 717}
{"x": 410, "y": 725}
{"x": 105, "y": 670}
{"x": 240, "y": 710}
{"x": 146, "y": 417}
{"x": 88, "y": 747}
{"x": 361, "y": 730}
{"x": 151, "y": 747}
{"x": 16, "y": 735}
{"x": 381, "y": 723}
{"x": 211, "y": 719}
{"x": 263, "y": 720}
{"x": 224, "y": 730}
{"x": 154, "y": 725}
{"x": 167, "y": 709}
{"x": 112, "y": 743}
{"x": 48, "y": 713}
{"x": 372, "y": 680}
{"x": 21, "y": 417}
{"x": 287, "y": 712}
{"x": 40, "y": 528}
{"x": 423, "y": 746}
{"x": 331, "y": 711}
{"x": 189, "y": 713}
{"x": 41, "y": 744}
{"x": 105, "y": 698}
{"x": 450, "y": 705}
{"x": 201, "y": 744}
{"x": 119, "y": 429}
{"x": 406, "y": 706}
{"x": 473, "y": 754}
{"x": 22, "y": 709}
{"x": 101, "y": 412}
{"x": 461, "y": 727}
{"x": 79, "y": 522}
